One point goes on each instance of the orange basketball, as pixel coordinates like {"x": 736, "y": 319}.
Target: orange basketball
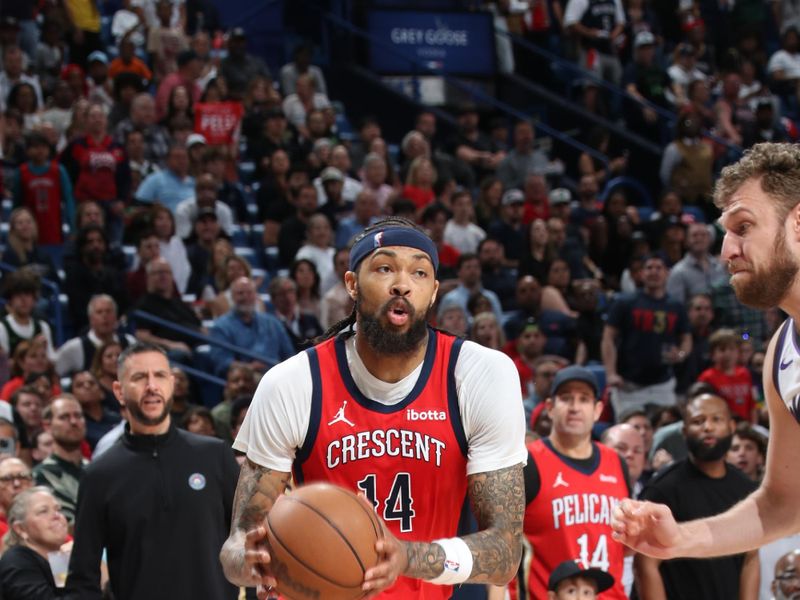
{"x": 322, "y": 541}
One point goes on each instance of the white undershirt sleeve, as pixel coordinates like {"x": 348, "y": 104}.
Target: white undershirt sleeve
{"x": 277, "y": 422}
{"x": 490, "y": 399}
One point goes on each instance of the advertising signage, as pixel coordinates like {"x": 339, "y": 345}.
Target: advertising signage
{"x": 454, "y": 43}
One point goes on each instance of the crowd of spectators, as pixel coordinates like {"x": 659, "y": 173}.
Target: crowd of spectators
{"x": 163, "y": 168}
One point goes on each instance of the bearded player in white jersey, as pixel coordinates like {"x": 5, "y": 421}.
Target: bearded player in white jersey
{"x": 760, "y": 201}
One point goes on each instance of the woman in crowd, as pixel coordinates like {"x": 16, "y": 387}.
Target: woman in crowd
{"x": 198, "y": 419}
{"x": 23, "y": 249}
{"x": 234, "y": 267}
{"x": 36, "y": 528}
{"x": 22, "y": 97}
{"x": 29, "y": 360}
{"x": 488, "y": 207}
{"x": 182, "y": 396}
{"x": 319, "y": 250}
{"x": 537, "y": 261}
{"x": 554, "y": 294}
{"x": 179, "y": 104}
{"x": 216, "y": 90}
{"x": 307, "y": 279}
{"x": 28, "y": 415}
{"x": 419, "y": 183}
{"x": 215, "y": 270}
{"x": 486, "y": 331}
{"x": 104, "y": 368}
{"x": 171, "y": 246}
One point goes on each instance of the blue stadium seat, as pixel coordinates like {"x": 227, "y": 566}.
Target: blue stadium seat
{"x": 600, "y": 373}
{"x": 240, "y": 237}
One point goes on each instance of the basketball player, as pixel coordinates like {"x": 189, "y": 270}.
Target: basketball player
{"x": 571, "y": 486}
{"x": 413, "y": 418}
{"x": 760, "y": 201}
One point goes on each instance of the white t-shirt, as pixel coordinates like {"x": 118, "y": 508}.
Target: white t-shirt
{"x": 26, "y": 332}
{"x": 464, "y": 238}
{"x": 576, "y": 8}
{"x": 783, "y": 61}
{"x": 69, "y": 358}
{"x": 323, "y": 260}
{"x": 489, "y": 399}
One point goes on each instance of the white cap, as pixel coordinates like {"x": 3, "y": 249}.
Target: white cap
{"x": 195, "y": 138}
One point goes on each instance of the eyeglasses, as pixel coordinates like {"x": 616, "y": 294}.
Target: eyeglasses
{"x": 16, "y": 477}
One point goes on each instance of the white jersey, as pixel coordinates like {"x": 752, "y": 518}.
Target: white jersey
{"x": 786, "y": 367}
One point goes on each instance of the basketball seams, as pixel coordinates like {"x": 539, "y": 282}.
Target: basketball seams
{"x": 370, "y": 513}
{"x": 303, "y": 562}
{"x": 334, "y": 527}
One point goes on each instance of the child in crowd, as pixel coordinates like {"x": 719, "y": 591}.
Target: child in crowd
{"x": 44, "y": 188}
{"x": 568, "y": 581}
{"x": 732, "y": 381}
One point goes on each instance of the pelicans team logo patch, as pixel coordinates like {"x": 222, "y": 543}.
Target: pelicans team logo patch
{"x": 197, "y": 481}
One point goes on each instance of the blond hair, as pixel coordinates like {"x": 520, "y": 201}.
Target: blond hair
{"x": 777, "y": 169}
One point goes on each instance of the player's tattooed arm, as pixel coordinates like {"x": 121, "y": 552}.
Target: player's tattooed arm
{"x": 498, "y": 502}
{"x": 425, "y": 561}
{"x": 256, "y": 492}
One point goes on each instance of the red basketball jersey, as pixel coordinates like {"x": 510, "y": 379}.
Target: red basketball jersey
{"x": 41, "y": 194}
{"x": 409, "y": 459}
{"x": 570, "y": 518}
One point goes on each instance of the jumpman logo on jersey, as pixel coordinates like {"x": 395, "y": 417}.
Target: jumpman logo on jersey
{"x": 560, "y": 481}
{"x": 340, "y": 418}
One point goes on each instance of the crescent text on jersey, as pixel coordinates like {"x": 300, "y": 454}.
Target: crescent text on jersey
{"x": 365, "y": 445}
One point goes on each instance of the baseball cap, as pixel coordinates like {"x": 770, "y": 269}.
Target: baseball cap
{"x": 331, "y": 174}
{"x": 98, "y": 56}
{"x": 570, "y": 568}
{"x": 644, "y": 38}
{"x": 513, "y": 196}
{"x": 560, "y": 196}
{"x": 574, "y": 373}
{"x": 195, "y": 138}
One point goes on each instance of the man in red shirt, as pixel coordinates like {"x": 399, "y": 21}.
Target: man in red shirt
{"x": 571, "y": 488}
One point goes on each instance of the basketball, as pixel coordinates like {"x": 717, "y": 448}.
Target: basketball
{"x": 322, "y": 541}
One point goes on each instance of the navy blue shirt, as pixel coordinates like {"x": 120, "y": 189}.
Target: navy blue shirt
{"x": 646, "y": 325}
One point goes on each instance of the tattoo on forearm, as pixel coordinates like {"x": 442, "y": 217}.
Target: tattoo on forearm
{"x": 498, "y": 502}
{"x": 425, "y": 561}
{"x": 256, "y": 492}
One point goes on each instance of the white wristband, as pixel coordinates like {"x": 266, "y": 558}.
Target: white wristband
{"x": 457, "y": 561}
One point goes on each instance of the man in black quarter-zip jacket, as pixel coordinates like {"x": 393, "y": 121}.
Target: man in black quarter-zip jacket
{"x": 159, "y": 500}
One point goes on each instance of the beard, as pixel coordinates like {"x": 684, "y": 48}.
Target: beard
{"x": 779, "y": 595}
{"x": 703, "y": 453}
{"x": 383, "y": 340}
{"x": 244, "y": 311}
{"x": 137, "y": 414}
{"x": 767, "y": 286}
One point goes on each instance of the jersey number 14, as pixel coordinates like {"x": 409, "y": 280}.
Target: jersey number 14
{"x": 599, "y": 558}
{"x": 399, "y": 504}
